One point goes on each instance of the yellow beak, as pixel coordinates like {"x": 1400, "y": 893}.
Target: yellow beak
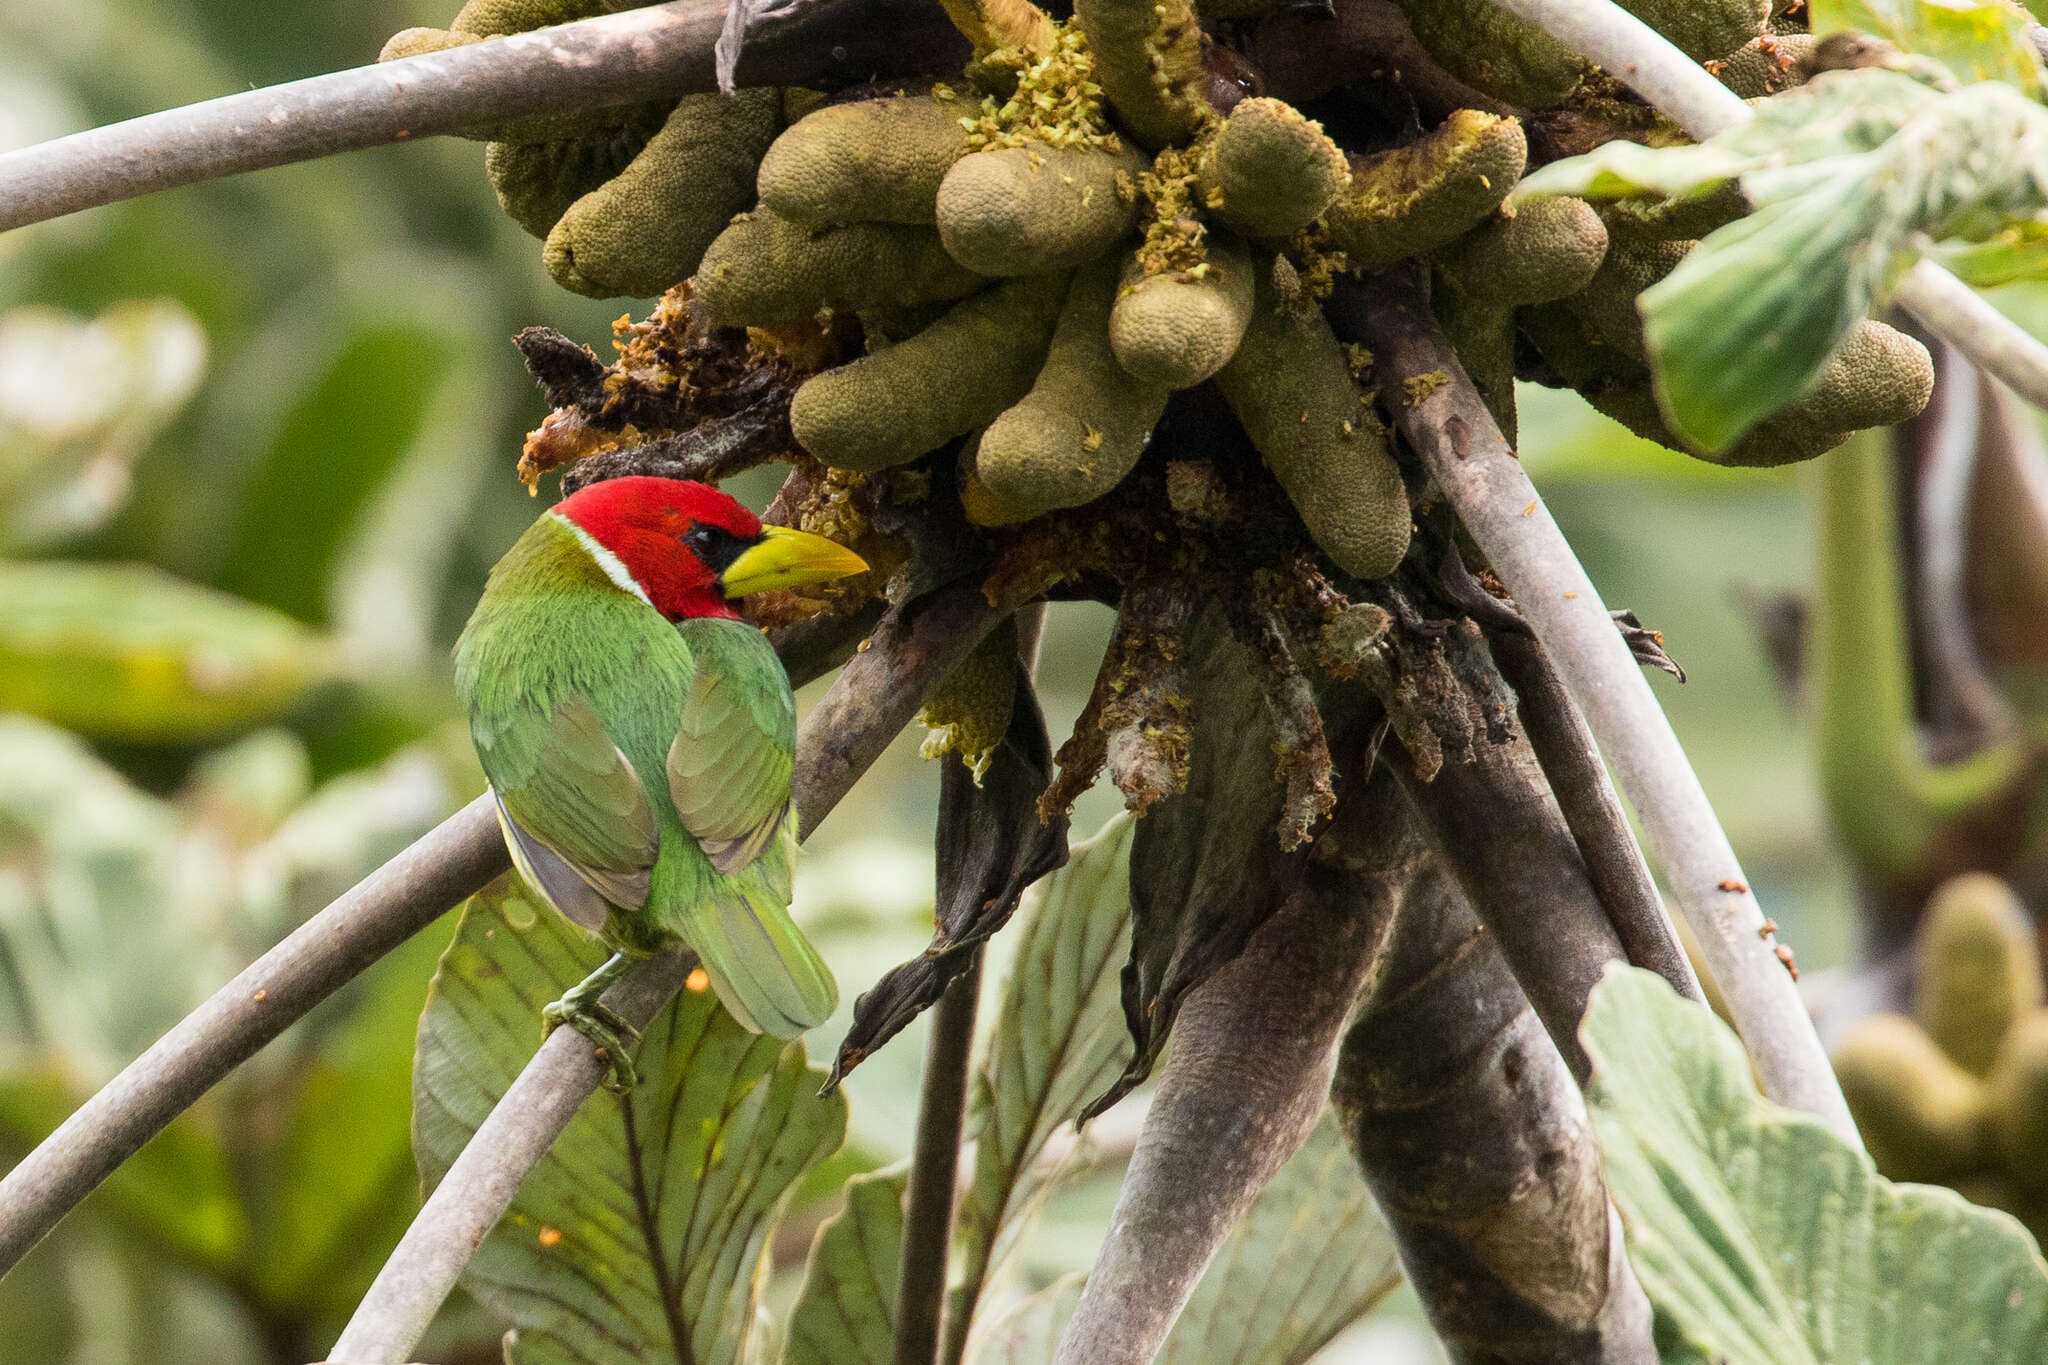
{"x": 786, "y": 558}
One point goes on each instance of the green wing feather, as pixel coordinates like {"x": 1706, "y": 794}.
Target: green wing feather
{"x": 728, "y": 772}
{"x": 563, "y": 781}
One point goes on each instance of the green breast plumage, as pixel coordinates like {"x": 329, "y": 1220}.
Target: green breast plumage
{"x": 642, "y": 769}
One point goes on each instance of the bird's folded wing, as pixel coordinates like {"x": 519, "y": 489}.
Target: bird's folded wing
{"x": 729, "y": 767}
{"x": 562, "y": 783}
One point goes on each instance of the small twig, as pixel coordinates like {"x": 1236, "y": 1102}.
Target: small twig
{"x": 382, "y": 911}
{"x": 1461, "y": 446}
{"x": 1592, "y": 811}
{"x": 480, "y": 1186}
{"x": 1646, "y": 62}
{"x": 935, "y": 1167}
{"x": 641, "y": 54}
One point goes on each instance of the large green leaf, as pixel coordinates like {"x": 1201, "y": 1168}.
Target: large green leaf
{"x": 1977, "y": 40}
{"x": 1850, "y": 176}
{"x": 1310, "y": 1258}
{"x": 845, "y": 1313}
{"x": 125, "y": 651}
{"x": 1764, "y": 1239}
{"x": 640, "y": 1236}
{"x": 1058, "y": 1040}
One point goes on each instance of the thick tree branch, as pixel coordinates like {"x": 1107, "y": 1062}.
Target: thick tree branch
{"x": 1242, "y": 1086}
{"x": 1461, "y": 446}
{"x": 1646, "y": 62}
{"x": 1477, "y": 1145}
{"x": 322, "y": 955}
{"x": 1494, "y": 824}
{"x": 641, "y": 54}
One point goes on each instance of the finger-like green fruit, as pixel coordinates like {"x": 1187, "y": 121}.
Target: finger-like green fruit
{"x": 1148, "y": 60}
{"x": 916, "y": 395}
{"x": 1704, "y": 29}
{"x": 1419, "y": 197}
{"x": 536, "y": 182}
{"x": 1607, "y": 305}
{"x": 2019, "y": 1101}
{"x": 1037, "y": 209}
{"x": 1767, "y": 65}
{"x": 1922, "y": 1116}
{"x": 1176, "y": 329}
{"x": 1535, "y": 253}
{"x": 1085, "y": 422}
{"x": 1496, "y": 52}
{"x": 968, "y": 712}
{"x": 646, "y": 228}
{"x": 1980, "y": 968}
{"x": 1292, "y": 390}
{"x": 878, "y": 160}
{"x": 1877, "y": 377}
{"x": 764, "y": 269}
{"x": 1270, "y": 171}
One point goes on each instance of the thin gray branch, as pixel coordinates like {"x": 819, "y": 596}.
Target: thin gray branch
{"x": 1645, "y": 61}
{"x": 873, "y": 697}
{"x": 479, "y": 1187}
{"x": 320, "y": 956}
{"x": 1463, "y": 449}
{"x": 640, "y": 54}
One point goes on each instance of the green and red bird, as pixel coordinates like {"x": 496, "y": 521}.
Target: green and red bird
{"x": 638, "y": 737}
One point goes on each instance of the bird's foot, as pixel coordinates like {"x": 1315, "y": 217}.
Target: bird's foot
{"x": 582, "y": 1010}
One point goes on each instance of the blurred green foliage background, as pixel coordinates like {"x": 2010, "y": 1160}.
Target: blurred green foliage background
{"x": 256, "y": 442}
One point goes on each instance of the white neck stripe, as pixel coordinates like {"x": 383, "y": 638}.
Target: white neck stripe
{"x": 614, "y": 567}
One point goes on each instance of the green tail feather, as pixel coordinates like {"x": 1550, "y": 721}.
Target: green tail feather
{"x": 764, "y": 970}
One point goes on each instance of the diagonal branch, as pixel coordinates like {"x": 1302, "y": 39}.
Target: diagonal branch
{"x": 1646, "y": 62}
{"x": 391, "y": 905}
{"x": 662, "y": 50}
{"x": 1464, "y": 450}
{"x": 319, "y": 957}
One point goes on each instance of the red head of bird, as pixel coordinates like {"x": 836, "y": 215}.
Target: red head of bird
{"x": 691, "y": 549}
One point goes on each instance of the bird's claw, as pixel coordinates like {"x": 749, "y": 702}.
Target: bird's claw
{"x": 602, "y": 1025}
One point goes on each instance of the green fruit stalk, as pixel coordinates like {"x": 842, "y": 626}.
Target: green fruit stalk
{"x": 647, "y": 228}
{"x": 1035, "y": 209}
{"x": 1420, "y": 197}
{"x": 1177, "y": 328}
{"x": 1922, "y": 1116}
{"x": 1293, "y": 391}
{"x": 1084, "y": 423}
{"x": 1148, "y": 60}
{"x": 1269, "y": 171}
{"x": 1980, "y": 969}
{"x": 764, "y": 269}
{"x": 875, "y": 160}
{"x": 1496, "y": 52}
{"x": 957, "y": 374}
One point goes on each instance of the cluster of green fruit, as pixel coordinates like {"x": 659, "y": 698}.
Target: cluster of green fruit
{"x": 1958, "y": 1093}
{"x": 1098, "y": 215}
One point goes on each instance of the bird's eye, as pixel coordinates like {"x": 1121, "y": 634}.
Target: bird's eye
{"x": 701, "y": 540}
